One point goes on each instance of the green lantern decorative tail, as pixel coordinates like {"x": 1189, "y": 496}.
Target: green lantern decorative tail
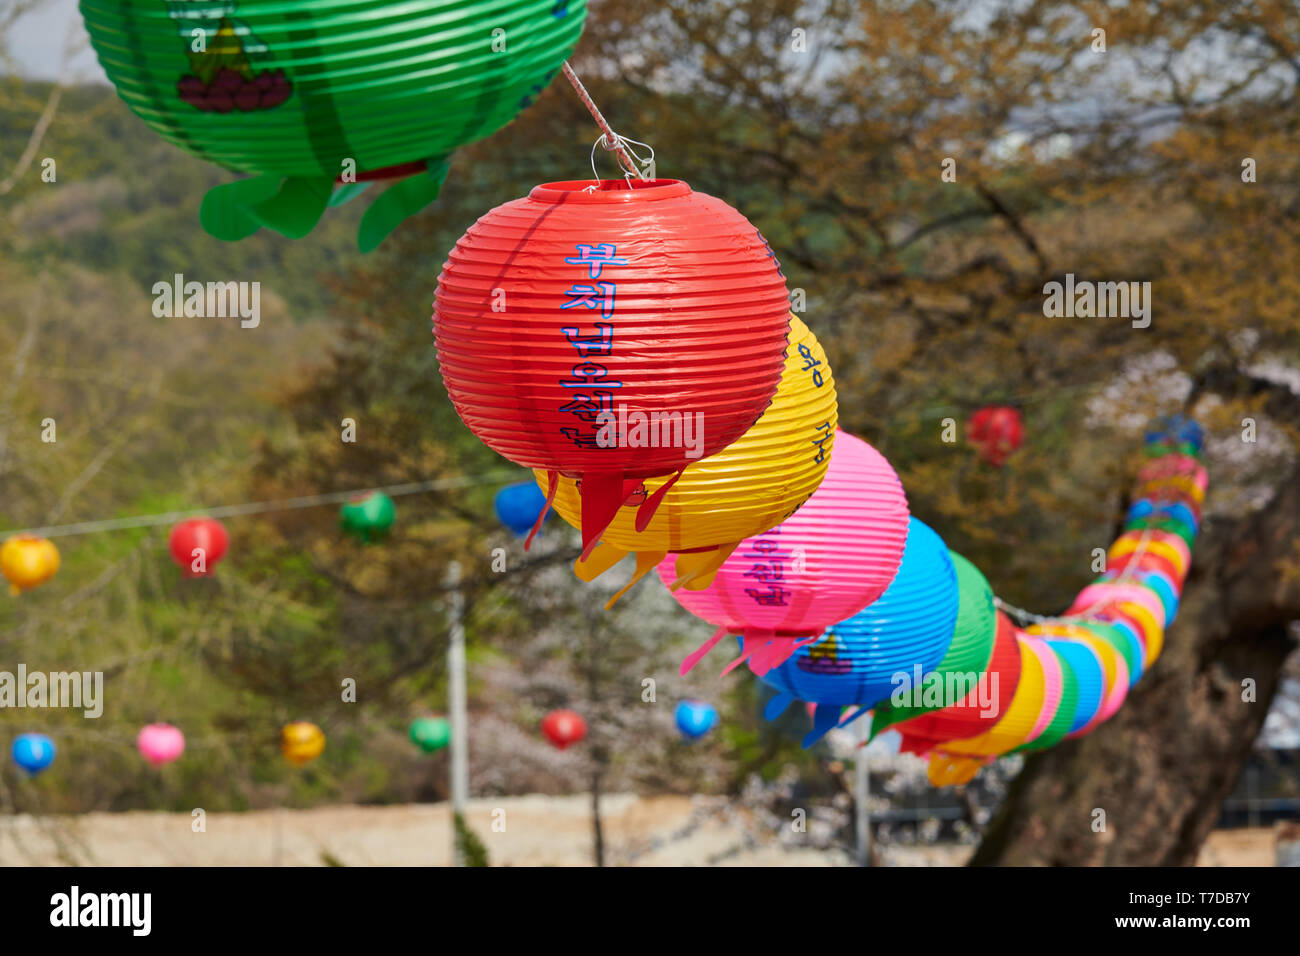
{"x": 293, "y": 206}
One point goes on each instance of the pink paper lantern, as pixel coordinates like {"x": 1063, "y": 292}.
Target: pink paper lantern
{"x": 827, "y": 561}
{"x": 1102, "y": 594}
{"x": 160, "y": 743}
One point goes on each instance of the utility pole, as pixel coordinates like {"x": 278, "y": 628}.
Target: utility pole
{"x": 861, "y": 791}
{"x": 459, "y": 708}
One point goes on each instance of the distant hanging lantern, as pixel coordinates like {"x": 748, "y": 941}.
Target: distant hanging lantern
{"x": 782, "y": 589}
{"x": 695, "y": 718}
{"x": 33, "y": 752}
{"x": 197, "y": 544}
{"x": 369, "y": 517}
{"x": 611, "y": 332}
{"x": 430, "y": 733}
{"x": 753, "y": 484}
{"x": 905, "y": 631}
{"x": 310, "y": 94}
{"x": 301, "y": 742}
{"x": 519, "y": 506}
{"x": 564, "y": 727}
{"x": 996, "y": 431}
{"x": 28, "y": 562}
{"x": 160, "y": 743}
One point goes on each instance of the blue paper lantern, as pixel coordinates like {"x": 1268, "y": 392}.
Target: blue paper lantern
{"x": 33, "y": 752}
{"x": 1175, "y": 429}
{"x": 861, "y": 660}
{"x": 519, "y": 505}
{"x": 695, "y": 718}
{"x": 1162, "y": 511}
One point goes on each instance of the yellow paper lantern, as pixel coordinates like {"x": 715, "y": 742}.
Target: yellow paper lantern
{"x": 28, "y": 562}
{"x": 301, "y": 742}
{"x": 749, "y": 487}
{"x": 1126, "y": 546}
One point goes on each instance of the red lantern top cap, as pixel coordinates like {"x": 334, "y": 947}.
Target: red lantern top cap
{"x": 609, "y": 191}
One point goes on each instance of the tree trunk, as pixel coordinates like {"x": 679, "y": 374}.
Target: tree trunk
{"x": 1161, "y": 768}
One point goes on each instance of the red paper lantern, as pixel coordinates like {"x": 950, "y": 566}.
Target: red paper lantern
{"x": 610, "y": 333}
{"x": 197, "y": 544}
{"x": 995, "y": 431}
{"x": 564, "y": 727}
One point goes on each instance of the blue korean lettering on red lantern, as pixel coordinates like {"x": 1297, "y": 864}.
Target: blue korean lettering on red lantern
{"x": 595, "y": 257}
{"x": 593, "y": 386}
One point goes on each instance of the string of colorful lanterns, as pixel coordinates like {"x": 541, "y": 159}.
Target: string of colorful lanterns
{"x": 935, "y": 660}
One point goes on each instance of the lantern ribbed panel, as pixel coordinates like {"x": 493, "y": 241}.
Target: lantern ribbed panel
{"x": 1115, "y": 676}
{"x": 1137, "y": 562}
{"x": 1124, "y": 639}
{"x": 1053, "y": 689}
{"x": 1114, "y": 592}
{"x": 1018, "y": 720}
{"x": 1168, "y": 545}
{"x": 971, "y": 649}
{"x": 968, "y": 718}
{"x": 689, "y": 333}
{"x": 751, "y": 485}
{"x": 849, "y": 539}
{"x": 1059, "y": 712}
{"x": 1089, "y": 679}
{"x": 310, "y": 83}
{"x": 907, "y": 628}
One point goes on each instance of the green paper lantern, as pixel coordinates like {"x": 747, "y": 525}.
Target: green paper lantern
{"x": 1172, "y": 525}
{"x": 368, "y": 518}
{"x": 307, "y": 92}
{"x": 972, "y": 641}
{"x": 431, "y": 733}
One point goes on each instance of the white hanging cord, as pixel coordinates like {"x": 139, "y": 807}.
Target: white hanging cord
{"x": 259, "y": 507}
